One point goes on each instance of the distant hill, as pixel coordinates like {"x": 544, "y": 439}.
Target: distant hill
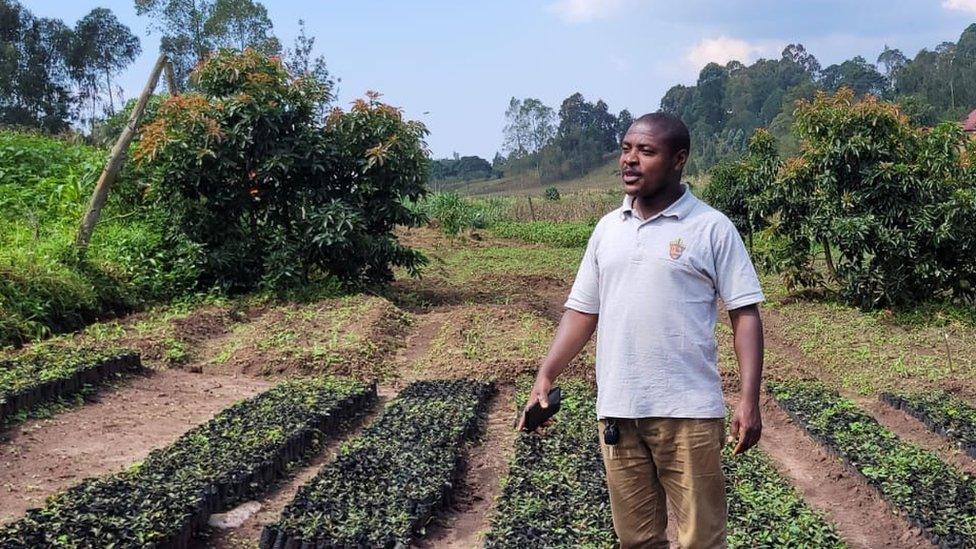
{"x": 604, "y": 176}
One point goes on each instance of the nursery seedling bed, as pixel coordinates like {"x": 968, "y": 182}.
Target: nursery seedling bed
{"x": 388, "y": 483}
{"x": 934, "y": 496}
{"x": 162, "y": 501}
{"x": 941, "y": 412}
{"x": 555, "y": 492}
{"x": 49, "y": 373}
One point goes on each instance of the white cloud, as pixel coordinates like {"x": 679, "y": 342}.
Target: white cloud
{"x": 582, "y": 11}
{"x": 723, "y": 49}
{"x": 962, "y": 5}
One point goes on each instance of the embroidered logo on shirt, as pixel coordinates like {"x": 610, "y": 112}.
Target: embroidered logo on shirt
{"x": 676, "y": 248}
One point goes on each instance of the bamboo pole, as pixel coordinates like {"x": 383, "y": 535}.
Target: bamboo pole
{"x": 115, "y": 159}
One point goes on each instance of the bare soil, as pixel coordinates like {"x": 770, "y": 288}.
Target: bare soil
{"x": 463, "y": 524}
{"x": 123, "y": 424}
{"x": 861, "y": 516}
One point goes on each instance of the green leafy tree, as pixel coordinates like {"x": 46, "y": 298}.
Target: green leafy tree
{"x": 895, "y": 203}
{"x": 35, "y": 87}
{"x": 624, "y": 121}
{"x": 299, "y": 60}
{"x": 241, "y": 24}
{"x": 272, "y": 196}
{"x": 192, "y": 29}
{"x": 101, "y": 48}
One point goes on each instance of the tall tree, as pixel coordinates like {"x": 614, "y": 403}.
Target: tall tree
{"x": 624, "y": 120}
{"x": 191, "y": 29}
{"x": 299, "y": 60}
{"x": 34, "y": 83}
{"x": 892, "y": 61}
{"x": 240, "y": 24}
{"x": 101, "y": 48}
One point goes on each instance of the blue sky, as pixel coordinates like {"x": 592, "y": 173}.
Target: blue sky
{"x": 460, "y": 62}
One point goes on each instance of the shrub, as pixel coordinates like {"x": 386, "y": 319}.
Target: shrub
{"x": 270, "y": 195}
{"x": 552, "y": 194}
{"x": 896, "y": 205}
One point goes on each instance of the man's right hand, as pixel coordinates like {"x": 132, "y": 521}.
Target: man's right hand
{"x": 540, "y": 394}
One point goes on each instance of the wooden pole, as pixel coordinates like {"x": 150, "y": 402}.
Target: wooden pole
{"x": 115, "y": 159}
{"x": 531, "y": 209}
{"x": 171, "y": 84}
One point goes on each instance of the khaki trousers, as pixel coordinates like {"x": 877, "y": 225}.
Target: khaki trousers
{"x": 661, "y": 460}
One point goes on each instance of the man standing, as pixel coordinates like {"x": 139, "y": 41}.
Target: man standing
{"x": 649, "y": 282}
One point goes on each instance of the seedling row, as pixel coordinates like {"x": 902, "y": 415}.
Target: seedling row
{"x": 934, "y": 496}
{"x": 555, "y": 493}
{"x": 165, "y": 499}
{"x": 765, "y": 510}
{"x": 386, "y": 485}
{"x": 49, "y": 373}
{"x": 943, "y": 413}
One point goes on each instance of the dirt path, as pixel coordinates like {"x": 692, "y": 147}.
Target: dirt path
{"x": 861, "y": 516}
{"x": 461, "y": 525}
{"x": 268, "y": 509}
{"x": 912, "y": 430}
{"x": 147, "y": 411}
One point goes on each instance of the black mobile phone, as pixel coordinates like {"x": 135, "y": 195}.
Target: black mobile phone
{"x": 536, "y": 415}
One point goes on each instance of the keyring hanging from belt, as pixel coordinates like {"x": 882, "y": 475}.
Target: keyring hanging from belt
{"x": 611, "y": 433}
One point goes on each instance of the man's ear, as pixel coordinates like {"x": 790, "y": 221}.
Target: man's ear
{"x": 679, "y": 160}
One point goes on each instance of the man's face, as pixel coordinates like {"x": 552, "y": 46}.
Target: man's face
{"x": 647, "y": 164}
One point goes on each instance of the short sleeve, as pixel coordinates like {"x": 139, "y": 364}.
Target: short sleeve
{"x": 585, "y": 295}
{"x": 735, "y": 276}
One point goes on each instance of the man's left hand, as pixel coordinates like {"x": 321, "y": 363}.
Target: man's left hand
{"x": 746, "y": 427}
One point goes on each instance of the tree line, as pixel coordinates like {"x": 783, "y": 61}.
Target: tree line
{"x": 728, "y": 103}
{"x": 53, "y": 76}
{"x": 557, "y": 145}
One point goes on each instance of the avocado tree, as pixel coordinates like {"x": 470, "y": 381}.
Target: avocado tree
{"x": 273, "y": 196}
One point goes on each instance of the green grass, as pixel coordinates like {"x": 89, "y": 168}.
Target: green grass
{"x": 45, "y": 184}
{"x": 559, "y": 234}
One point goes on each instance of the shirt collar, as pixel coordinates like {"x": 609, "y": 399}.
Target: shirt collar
{"x": 678, "y": 209}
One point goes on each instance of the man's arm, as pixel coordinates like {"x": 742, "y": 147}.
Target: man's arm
{"x": 574, "y": 331}
{"x": 747, "y": 332}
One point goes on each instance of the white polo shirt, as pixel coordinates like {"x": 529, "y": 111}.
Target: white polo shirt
{"x": 655, "y": 283}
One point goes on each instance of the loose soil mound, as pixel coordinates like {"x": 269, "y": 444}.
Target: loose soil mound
{"x": 349, "y": 336}
{"x": 494, "y": 342}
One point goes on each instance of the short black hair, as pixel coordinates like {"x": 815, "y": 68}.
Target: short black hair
{"x": 673, "y": 130}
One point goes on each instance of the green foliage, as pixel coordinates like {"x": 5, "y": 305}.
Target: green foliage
{"x": 933, "y": 495}
{"x": 896, "y": 203}
{"x": 764, "y": 508}
{"x": 451, "y": 213}
{"x": 739, "y": 189}
{"x": 235, "y": 455}
{"x": 35, "y": 81}
{"x": 270, "y": 196}
{"x": 560, "y": 234}
{"x": 45, "y": 184}
{"x": 585, "y": 134}
{"x": 385, "y": 485}
{"x": 943, "y": 412}
{"x": 191, "y": 30}
{"x": 555, "y": 493}
{"x": 552, "y": 194}
{"x": 50, "y": 372}
{"x": 464, "y": 168}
